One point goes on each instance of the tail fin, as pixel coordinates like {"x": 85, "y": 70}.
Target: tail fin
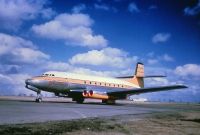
{"x": 138, "y": 78}
{"x": 139, "y": 70}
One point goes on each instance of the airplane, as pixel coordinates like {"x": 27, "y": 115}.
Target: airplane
{"x": 79, "y": 86}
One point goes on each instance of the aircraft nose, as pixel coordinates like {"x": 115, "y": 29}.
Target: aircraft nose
{"x": 28, "y": 81}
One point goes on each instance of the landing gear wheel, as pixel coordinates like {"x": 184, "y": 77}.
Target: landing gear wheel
{"x": 108, "y": 101}
{"x": 104, "y": 101}
{"x": 38, "y": 98}
{"x": 80, "y": 101}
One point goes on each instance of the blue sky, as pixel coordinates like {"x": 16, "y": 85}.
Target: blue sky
{"x": 104, "y": 38}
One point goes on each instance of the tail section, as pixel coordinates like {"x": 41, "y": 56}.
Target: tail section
{"x": 139, "y": 70}
{"x": 138, "y": 78}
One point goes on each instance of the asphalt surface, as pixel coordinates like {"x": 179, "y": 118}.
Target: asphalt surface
{"x": 27, "y": 111}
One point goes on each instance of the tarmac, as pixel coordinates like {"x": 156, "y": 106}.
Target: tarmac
{"x": 19, "y": 110}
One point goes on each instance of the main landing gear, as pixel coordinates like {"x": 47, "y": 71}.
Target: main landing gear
{"x": 39, "y": 97}
{"x": 108, "y": 101}
{"x": 78, "y": 100}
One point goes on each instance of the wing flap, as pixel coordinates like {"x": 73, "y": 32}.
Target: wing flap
{"x": 146, "y": 90}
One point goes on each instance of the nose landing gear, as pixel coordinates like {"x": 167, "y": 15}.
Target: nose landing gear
{"x": 39, "y": 97}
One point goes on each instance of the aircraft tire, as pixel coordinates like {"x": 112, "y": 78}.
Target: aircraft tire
{"x": 38, "y": 100}
{"x": 79, "y": 101}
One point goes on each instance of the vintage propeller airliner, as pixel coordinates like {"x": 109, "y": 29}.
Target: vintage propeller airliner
{"x": 79, "y": 87}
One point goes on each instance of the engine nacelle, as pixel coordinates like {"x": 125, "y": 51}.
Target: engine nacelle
{"x": 91, "y": 94}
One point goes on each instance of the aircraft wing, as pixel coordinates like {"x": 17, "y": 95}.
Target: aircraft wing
{"x": 145, "y": 90}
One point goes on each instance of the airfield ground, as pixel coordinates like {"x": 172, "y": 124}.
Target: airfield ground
{"x": 22, "y": 116}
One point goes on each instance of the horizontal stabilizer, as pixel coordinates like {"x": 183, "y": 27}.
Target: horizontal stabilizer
{"x": 154, "y": 76}
{"x": 148, "y": 76}
{"x": 125, "y": 77}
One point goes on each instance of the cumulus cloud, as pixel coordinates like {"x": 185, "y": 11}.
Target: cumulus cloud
{"x": 188, "y": 70}
{"x": 74, "y": 29}
{"x": 13, "y": 84}
{"x": 16, "y": 50}
{"x": 14, "y": 12}
{"x": 17, "y": 55}
{"x": 66, "y": 67}
{"x": 78, "y": 8}
{"x": 58, "y": 66}
{"x": 167, "y": 57}
{"x": 192, "y": 11}
{"x": 133, "y": 8}
{"x": 161, "y": 37}
{"x": 112, "y": 57}
{"x": 158, "y": 82}
{"x": 153, "y": 59}
{"x": 47, "y": 13}
{"x": 9, "y": 69}
{"x": 101, "y": 7}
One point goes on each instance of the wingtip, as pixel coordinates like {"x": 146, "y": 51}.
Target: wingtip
{"x": 182, "y": 86}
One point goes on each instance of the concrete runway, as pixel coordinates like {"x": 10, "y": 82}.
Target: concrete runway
{"x": 27, "y": 111}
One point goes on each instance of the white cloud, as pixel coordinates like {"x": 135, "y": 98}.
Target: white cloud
{"x": 157, "y": 82}
{"x": 7, "y": 69}
{"x": 47, "y": 13}
{"x": 14, "y": 12}
{"x": 18, "y": 50}
{"x": 73, "y": 29}
{"x": 188, "y": 70}
{"x": 28, "y": 55}
{"x": 58, "y": 66}
{"x": 161, "y": 37}
{"x": 78, "y": 8}
{"x": 65, "y": 67}
{"x": 5, "y": 79}
{"x": 13, "y": 84}
{"x": 167, "y": 57}
{"x": 192, "y": 11}
{"x": 112, "y": 57}
{"x": 132, "y": 7}
{"x": 152, "y": 61}
{"x": 101, "y": 7}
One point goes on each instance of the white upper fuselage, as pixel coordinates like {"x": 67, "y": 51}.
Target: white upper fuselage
{"x": 106, "y": 81}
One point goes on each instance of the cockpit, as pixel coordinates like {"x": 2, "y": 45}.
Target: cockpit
{"x": 48, "y": 74}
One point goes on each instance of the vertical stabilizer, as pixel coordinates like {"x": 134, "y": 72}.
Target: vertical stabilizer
{"x": 139, "y": 70}
{"x": 138, "y": 78}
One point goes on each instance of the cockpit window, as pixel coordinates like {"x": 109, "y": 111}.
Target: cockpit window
{"x": 48, "y": 74}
